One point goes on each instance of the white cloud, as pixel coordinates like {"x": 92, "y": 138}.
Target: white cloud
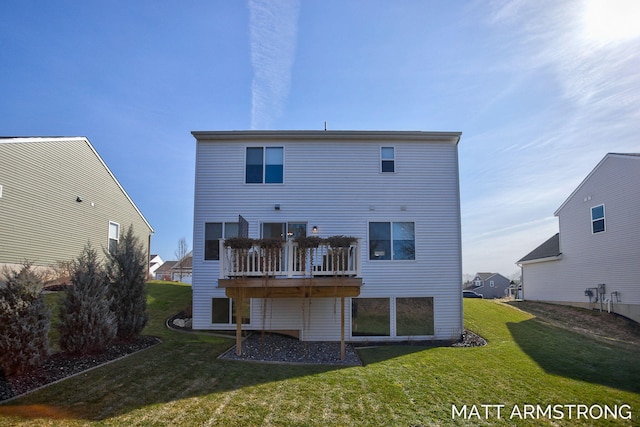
{"x": 273, "y": 34}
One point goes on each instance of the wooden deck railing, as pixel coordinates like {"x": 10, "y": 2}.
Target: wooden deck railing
{"x": 290, "y": 260}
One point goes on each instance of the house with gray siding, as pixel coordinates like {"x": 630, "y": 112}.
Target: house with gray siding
{"x": 56, "y": 195}
{"x": 490, "y": 285}
{"x": 394, "y": 195}
{"x": 593, "y": 261}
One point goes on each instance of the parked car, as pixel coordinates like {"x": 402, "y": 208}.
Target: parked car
{"x": 470, "y": 294}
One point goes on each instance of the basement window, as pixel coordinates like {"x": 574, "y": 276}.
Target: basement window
{"x": 370, "y": 317}
{"x": 414, "y": 316}
{"x": 223, "y": 311}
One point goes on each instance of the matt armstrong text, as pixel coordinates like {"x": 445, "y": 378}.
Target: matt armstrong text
{"x": 532, "y": 412}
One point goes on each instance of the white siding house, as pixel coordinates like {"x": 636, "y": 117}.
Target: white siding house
{"x": 593, "y": 260}
{"x": 396, "y": 193}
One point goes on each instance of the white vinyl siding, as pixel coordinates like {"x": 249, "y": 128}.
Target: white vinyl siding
{"x": 325, "y": 187}
{"x": 589, "y": 259}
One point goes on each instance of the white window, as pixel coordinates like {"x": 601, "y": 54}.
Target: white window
{"x": 213, "y": 232}
{"x": 114, "y": 236}
{"x": 597, "y": 219}
{"x": 264, "y": 165}
{"x": 283, "y": 230}
{"x": 392, "y": 240}
{"x": 223, "y": 310}
{"x": 387, "y": 159}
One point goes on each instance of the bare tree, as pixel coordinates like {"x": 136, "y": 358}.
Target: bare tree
{"x": 181, "y": 253}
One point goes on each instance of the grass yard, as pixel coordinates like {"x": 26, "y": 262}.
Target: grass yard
{"x": 528, "y": 361}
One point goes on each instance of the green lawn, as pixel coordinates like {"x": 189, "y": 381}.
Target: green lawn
{"x": 180, "y": 382}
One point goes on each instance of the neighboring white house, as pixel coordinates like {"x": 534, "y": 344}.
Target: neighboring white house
{"x": 395, "y": 193}
{"x": 594, "y": 260}
{"x": 155, "y": 261}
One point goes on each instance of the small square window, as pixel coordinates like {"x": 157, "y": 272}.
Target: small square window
{"x": 387, "y": 159}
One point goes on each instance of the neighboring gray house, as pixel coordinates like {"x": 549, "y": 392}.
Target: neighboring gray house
{"x": 57, "y": 194}
{"x": 395, "y": 193}
{"x": 594, "y": 260}
{"x": 490, "y": 285}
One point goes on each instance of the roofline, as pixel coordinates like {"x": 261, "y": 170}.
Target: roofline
{"x": 38, "y": 139}
{"x": 534, "y": 261}
{"x": 608, "y": 155}
{"x": 23, "y": 139}
{"x": 453, "y": 137}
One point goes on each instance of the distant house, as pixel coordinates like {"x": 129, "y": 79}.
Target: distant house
{"x": 56, "y": 195}
{"x": 176, "y": 270}
{"x": 155, "y": 261}
{"x": 394, "y": 194}
{"x": 182, "y": 270}
{"x": 165, "y": 271}
{"x": 490, "y": 285}
{"x": 594, "y": 260}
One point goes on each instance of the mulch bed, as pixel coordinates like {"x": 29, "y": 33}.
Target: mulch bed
{"x": 62, "y": 365}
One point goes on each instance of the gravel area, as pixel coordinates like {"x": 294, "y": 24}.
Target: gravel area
{"x": 62, "y": 365}
{"x": 283, "y": 349}
{"x": 277, "y": 348}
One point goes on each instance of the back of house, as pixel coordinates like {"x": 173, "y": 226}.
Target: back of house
{"x": 394, "y": 193}
{"x": 57, "y": 195}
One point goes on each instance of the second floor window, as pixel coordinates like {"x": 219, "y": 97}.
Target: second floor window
{"x": 114, "y": 237}
{"x": 597, "y": 219}
{"x": 264, "y": 165}
{"x": 387, "y": 159}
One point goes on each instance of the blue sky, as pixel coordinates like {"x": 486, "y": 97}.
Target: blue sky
{"x": 541, "y": 90}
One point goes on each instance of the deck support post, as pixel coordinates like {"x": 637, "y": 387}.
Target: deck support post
{"x": 342, "y": 349}
{"x": 239, "y": 302}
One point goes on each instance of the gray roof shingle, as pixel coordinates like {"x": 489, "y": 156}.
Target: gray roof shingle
{"x": 549, "y": 249}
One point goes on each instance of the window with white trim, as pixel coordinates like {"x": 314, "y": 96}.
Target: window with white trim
{"x": 387, "y": 159}
{"x": 264, "y": 165}
{"x": 283, "y": 230}
{"x": 223, "y": 310}
{"x": 114, "y": 237}
{"x": 213, "y": 232}
{"x": 597, "y": 219}
{"x": 392, "y": 241}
